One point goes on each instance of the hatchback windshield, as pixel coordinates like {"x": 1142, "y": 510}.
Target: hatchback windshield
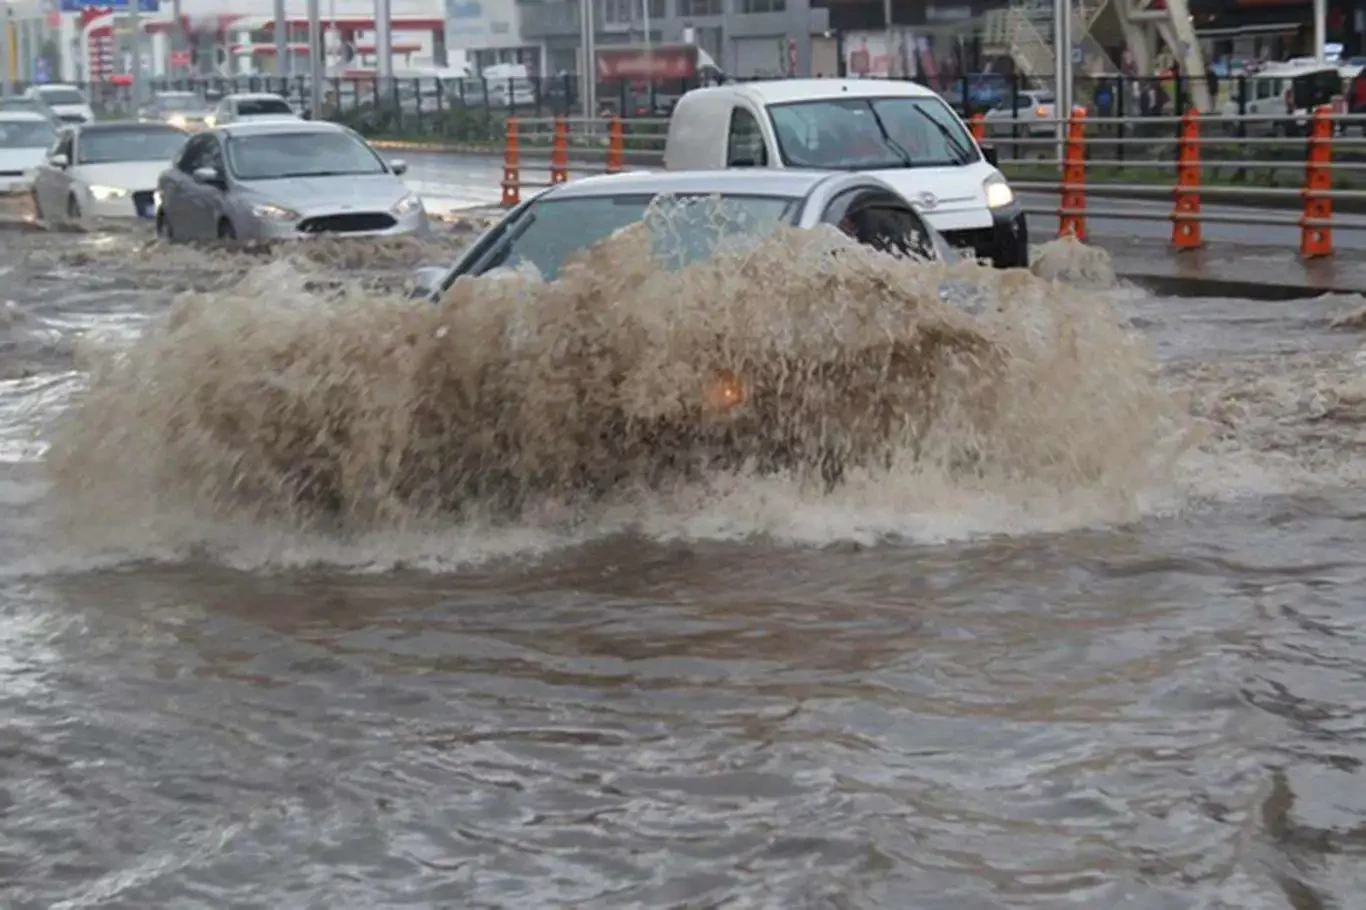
{"x": 185, "y": 102}
{"x": 865, "y": 133}
{"x": 251, "y": 107}
{"x": 20, "y": 104}
{"x": 271, "y": 156}
{"x": 26, "y": 134}
{"x": 142, "y": 143}
{"x": 62, "y": 96}
{"x": 686, "y": 228}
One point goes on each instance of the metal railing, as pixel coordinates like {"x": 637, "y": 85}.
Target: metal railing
{"x": 1184, "y": 160}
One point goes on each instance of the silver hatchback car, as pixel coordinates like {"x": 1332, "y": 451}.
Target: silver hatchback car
{"x": 279, "y": 180}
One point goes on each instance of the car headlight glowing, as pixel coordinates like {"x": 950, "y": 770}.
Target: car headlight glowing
{"x": 106, "y": 193}
{"x": 210, "y": 120}
{"x": 176, "y": 120}
{"x": 156, "y": 199}
{"x": 409, "y": 203}
{"x": 272, "y": 212}
{"x": 999, "y": 193}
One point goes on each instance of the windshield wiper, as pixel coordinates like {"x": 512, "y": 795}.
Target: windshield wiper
{"x": 964, "y": 156}
{"x": 895, "y": 146}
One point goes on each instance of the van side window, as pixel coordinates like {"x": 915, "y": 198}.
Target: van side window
{"x": 745, "y": 145}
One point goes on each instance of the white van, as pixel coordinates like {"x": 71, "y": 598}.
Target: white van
{"x": 1293, "y": 90}
{"x": 902, "y": 132}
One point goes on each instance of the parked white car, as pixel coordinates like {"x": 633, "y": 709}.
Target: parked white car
{"x": 253, "y": 106}
{"x": 900, "y": 132}
{"x": 104, "y": 170}
{"x": 24, "y": 140}
{"x": 67, "y": 102}
{"x": 1029, "y": 114}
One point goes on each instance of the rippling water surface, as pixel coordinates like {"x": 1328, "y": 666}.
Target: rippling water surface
{"x": 877, "y": 701}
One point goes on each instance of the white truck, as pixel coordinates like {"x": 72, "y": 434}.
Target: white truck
{"x": 903, "y": 133}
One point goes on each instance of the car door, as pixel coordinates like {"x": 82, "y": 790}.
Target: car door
{"x": 215, "y": 198}
{"x": 56, "y": 180}
{"x": 224, "y": 114}
{"x": 182, "y": 202}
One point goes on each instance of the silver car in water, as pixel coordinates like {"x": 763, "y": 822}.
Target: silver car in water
{"x": 281, "y": 180}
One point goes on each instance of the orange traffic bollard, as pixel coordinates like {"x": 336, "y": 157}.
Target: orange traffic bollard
{"x": 979, "y": 128}
{"x": 512, "y": 175}
{"x": 1072, "y": 211}
{"x": 1186, "y": 216}
{"x": 614, "y": 147}
{"x": 1316, "y": 232}
{"x": 559, "y": 152}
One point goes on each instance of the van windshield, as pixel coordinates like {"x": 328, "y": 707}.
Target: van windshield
{"x": 870, "y": 133}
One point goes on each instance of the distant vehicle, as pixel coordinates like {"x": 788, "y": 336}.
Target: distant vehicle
{"x": 25, "y": 138}
{"x": 1029, "y": 115}
{"x": 899, "y": 131}
{"x": 276, "y": 180}
{"x": 563, "y": 219}
{"x": 185, "y": 110}
{"x": 104, "y": 170}
{"x": 67, "y": 103}
{"x": 1289, "y": 90}
{"x": 24, "y": 103}
{"x": 255, "y": 106}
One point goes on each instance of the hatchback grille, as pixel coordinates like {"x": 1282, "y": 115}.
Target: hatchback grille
{"x": 11, "y": 173}
{"x": 348, "y": 223}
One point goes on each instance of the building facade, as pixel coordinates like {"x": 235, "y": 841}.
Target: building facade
{"x": 744, "y": 37}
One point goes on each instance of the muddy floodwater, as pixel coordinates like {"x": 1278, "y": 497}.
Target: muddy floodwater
{"x": 975, "y": 687}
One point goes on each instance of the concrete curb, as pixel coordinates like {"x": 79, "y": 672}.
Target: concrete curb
{"x": 1181, "y": 286}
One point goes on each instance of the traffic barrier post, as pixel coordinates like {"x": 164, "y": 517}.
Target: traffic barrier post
{"x": 1072, "y": 211}
{"x": 1316, "y": 232}
{"x": 559, "y": 152}
{"x": 1186, "y": 215}
{"x": 979, "y": 128}
{"x": 614, "y": 146}
{"x": 512, "y": 175}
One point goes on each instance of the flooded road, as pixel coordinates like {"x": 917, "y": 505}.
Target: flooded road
{"x": 906, "y": 693}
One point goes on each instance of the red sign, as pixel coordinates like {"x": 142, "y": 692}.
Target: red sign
{"x": 638, "y": 63}
{"x": 180, "y": 59}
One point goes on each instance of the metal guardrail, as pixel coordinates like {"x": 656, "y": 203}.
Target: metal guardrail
{"x": 1190, "y": 154}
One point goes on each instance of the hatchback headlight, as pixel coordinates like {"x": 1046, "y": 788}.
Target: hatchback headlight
{"x": 409, "y": 203}
{"x": 999, "y": 193}
{"x": 106, "y": 193}
{"x": 272, "y": 212}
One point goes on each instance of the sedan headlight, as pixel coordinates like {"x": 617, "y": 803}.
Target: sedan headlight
{"x": 106, "y": 193}
{"x": 176, "y": 120}
{"x": 272, "y": 212}
{"x": 409, "y": 203}
{"x": 210, "y": 120}
{"x": 999, "y": 193}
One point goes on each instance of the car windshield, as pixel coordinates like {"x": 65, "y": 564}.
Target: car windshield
{"x": 19, "y": 104}
{"x": 144, "y": 143}
{"x": 26, "y": 134}
{"x": 271, "y": 156}
{"x": 179, "y": 103}
{"x": 62, "y": 96}
{"x": 248, "y": 107}
{"x": 866, "y": 133}
{"x": 686, "y": 228}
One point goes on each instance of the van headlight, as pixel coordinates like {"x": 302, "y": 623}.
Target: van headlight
{"x": 106, "y": 193}
{"x": 999, "y": 193}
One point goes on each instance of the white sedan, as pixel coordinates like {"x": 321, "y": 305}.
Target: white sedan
{"x": 25, "y": 138}
{"x": 105, "y": 170}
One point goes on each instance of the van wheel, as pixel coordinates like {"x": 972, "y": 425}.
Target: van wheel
{"x": 73, "y": 209}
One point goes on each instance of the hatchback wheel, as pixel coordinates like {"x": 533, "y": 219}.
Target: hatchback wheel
{"x": 226, "y": 231}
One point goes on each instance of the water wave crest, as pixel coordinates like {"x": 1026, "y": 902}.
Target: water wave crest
{"x": 804, "y": 360}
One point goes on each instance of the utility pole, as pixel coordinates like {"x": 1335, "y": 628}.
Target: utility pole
{"x": 4, "y": 50}
{"x": 384, "y": 44}
{"x": 135, "y": 27}
{"x": 588, "y": 90}
{"x": 887, "y": 28}
{"x": 315, "y": 61}
{"x": 283, "y": 58}
{"x": 1320, "y": 28}
{"x": 1062, "y": 69}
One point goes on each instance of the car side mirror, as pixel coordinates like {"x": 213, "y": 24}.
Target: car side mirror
{"x": 58, "y": 160}
{"x": 989, "y": 153}
{"x": 427, "y": 282}
{"x": 208, "y": 176}
{"x": 398, "y": 166}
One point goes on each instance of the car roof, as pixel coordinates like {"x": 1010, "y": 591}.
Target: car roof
{"x": 118, "y": 126}
{"x": 782, "y": 91}
{"x": 175, "y": 93}
{"x": 253, "y": 127}
{"x": 256, "y": 96}
{"x": 22, "y": 116}
{"x": 787, "y": 182}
